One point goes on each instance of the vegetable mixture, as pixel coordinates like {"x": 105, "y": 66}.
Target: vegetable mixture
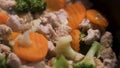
{"x": 53, "y": 34}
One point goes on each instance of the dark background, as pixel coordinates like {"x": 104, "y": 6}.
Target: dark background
{"x": 111, "y": 10}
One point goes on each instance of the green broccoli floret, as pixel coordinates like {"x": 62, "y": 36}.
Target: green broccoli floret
{"x": 60, "y": 62}
{"x": 2, "y": 61}
{"x": 88, "y": 61}
{"x": 37, "y": 5}
{"x": 63, "y": 47}
{"x": 30, "y": 5}
{"x": 22, "y": 6}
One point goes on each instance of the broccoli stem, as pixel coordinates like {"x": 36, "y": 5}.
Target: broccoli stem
{"x": 88, "y": 61}
{"x": 60, "y": 62}
{"x": 95, "y": 47}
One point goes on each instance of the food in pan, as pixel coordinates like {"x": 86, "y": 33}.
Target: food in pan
{"x": 53, "y": 34}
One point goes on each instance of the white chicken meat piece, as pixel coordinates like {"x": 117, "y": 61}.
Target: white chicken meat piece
{"x": 92, "y": 36}
{"x": 7, "y": 4}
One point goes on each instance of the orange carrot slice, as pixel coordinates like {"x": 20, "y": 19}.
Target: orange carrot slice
{"x": 3, "y": 18}
{"x": 34, "y": 52}
{"x": 75, "y": 39}
{"x": 13, "y": 35}
{"x": 76, "y": 13}
{"x": 55, "y": 4}
{"x": 96, "y": 18}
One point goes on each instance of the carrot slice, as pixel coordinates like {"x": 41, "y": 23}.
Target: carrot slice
{"x": 14, "y": 35}
{"x": 96, "y": 18}
{"x": 55, "y": 4}
{"x": 34, "y": 52}
{"x": 75, "y": 39}
{"x": 76, "y": 13}
{"x": 3, "y": 18}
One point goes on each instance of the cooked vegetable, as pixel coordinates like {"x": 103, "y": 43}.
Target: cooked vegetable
{"x": 22, "y": 6}
{"x": 76, "y": 13}
{"x": 35, "y": 48}
{"x": 14, "y": 35}
{"x": 63, "y": 47}
{"x": 88, "y": 61}
{"x": 55, "y": 4}
{"x": 30, "y": 5}
{"x": 60, "y": 62}
{"x": 37, "y": 5}
{"x": 96, "y": 18}
{"x": 2, "y": 61}
{"x": 75, "y": 39}
{"x": 3, "y": 18}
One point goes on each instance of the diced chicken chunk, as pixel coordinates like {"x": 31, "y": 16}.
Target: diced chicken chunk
{"x": 7, "y": 4}
{"x": 13, "y": 61}
{"x": 99, "y": 63}
{"x": 5, "y": 32}
{"x": 17, "y": 24}
{"x": 85, "y": 25}
{"x": 4, "y": 49}
{"x": 63, "y": 30}
{"x": 106, "y": 39}
{"x": 109, "y": 58}
{"x": 92, "y": 36}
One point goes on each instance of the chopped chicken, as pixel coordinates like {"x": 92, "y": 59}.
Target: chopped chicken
{"x": 13, "y": 61}
{"x": 54, "y": 24}
{"x": 109, "y": 58}
{"x": 4, "y": 49}
{"x": 55, "y": 18}
{"x": 92, "y": 36}
{"x": 99, "y": 63}
{"x": 27, "y": 17}
{"x": 7, "y": 4}
{"x": 78, "y": 57}
{"x": 106, "y": 39}
{"x": 17, "y": 24}
{"x": 63, "y": 30}
{"x": 85, "y": 25}
{"x": 5, "y": 32}
{"x": 51, "y": 52}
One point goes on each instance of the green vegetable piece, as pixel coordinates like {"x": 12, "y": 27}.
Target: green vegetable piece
{"x": 37, "y": 5}
{"x": 88, "y": 61}
{"x": 22, "y": 6}
{"x": 60, "y": 62}
{"x": 30, "y": 5}
{"x": 2, "y": 61}
{"x": 63, "y": 47}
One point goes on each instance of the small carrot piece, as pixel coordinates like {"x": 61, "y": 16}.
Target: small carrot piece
{"x": 55, "y": 4}
{"x": 13, "y": 35}
{"x": 76, "y": 13}
{"x": 34, "y": 52}
{"x": 3, "y": 18}
{"x": 96, "y": 18}
{"x": 75, "y": 39}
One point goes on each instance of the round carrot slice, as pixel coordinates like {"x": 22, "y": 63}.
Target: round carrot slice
{"x": 96, "y": 18}
{"x": 34, "y": 52}
{"x": 76, "y": 13}
{"x": 75, "y": 39}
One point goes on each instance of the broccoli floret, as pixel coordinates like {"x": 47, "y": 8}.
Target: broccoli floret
{"x": 30, "y": 5}
{"x": 60, "y": 62}
{"x": 2, "y": 61}
{"x": 88, "y": 61}
{"x": 21, "y": 6}
{"x": 63, "y": 47}
{"x": 37, "y": 5}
